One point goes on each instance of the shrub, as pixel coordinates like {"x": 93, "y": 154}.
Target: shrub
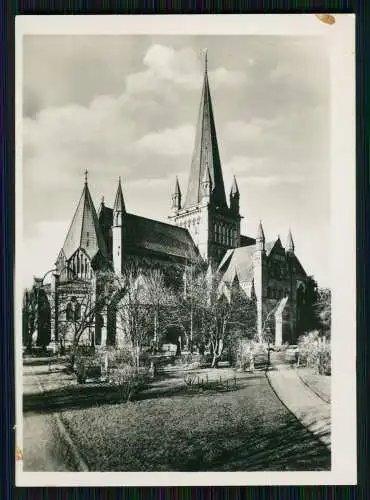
{"x": 118, "y": 357}
{"x": 243, "y": 353}
{"x": 314, "y": 353}
{"x": 324, "y": 362}
{"x": 193, "y": 359}
{"x": 87, "y": 367}
{"x": 129, "y": 380}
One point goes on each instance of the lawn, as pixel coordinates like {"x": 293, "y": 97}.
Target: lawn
{"x": 172, "y": 429}
{"x": 320, "y": 384}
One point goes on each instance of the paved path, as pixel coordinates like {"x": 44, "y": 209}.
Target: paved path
{"x": 46, "y": 444}
{"x": 309, "y": 409}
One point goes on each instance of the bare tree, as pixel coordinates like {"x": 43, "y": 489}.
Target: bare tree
{"x": 143, "y": 311}
{"x": 220, "y": 312}
{"x": 81, "y": 311}
{"x": 322, "y": 308}
{"x": 29, "y": 316}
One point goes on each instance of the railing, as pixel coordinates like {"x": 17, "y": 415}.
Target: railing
{"x": 203, "y": 383}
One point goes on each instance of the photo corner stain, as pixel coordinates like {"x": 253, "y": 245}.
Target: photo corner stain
{"x": 18, "y": 454}
{"x": 326, "y": 18}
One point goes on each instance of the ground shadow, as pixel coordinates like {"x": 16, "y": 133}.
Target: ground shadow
{"x": 76, "y": 396}
{"x": 293, "y": 447}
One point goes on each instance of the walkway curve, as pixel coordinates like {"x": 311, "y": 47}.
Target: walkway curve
{"x": 312, "y": 411}
{"x": 39, "y": 432}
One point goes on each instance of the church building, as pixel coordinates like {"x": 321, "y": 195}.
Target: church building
{"x": 203, "y": 226}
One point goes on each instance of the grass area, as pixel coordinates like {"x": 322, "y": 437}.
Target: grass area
{"x": 320, "y": 384}
{"x": 169, "y": 429}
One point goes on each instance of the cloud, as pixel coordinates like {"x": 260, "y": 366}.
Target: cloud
{"x": 255, "y": 129}
{"x": 223, "y": 77}
{"x": 121, "y": 105}
{"x": 242, "y": 165}
{"x": 42, "y": 249}
{"x": 242, "y": 131}
{"x": 169, "y": 142}
{"x": 181, "y": 68}
{"x": 272, "y": 180}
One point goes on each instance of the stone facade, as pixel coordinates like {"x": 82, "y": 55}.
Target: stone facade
{"x": 204, "y": 228}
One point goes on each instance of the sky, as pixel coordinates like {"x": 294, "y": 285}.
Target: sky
{"x": 127, "y": 106}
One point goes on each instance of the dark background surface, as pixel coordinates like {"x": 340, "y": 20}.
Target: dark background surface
{"x": 7, "y": 195}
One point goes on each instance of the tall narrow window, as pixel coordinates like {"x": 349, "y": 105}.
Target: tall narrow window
{"x": 69, "y": 312}
{"x": 77, "y": 311}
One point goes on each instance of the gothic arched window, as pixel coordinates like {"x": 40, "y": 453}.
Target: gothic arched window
{"x": 77, "y": 311}
{"x": 69, "y": 312}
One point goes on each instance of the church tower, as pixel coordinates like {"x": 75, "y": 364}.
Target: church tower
{"x": 213, "y": 225}
{"x": 259, "y": 258}
{"x": 118, "y": 229}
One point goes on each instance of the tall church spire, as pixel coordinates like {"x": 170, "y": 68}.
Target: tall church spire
{"x": 176, "y": 197}
{"x": 290, "y": 243}
{"x": 234, "y": 188}
{"x": 260, "y": 238}
{"x": 234, "y": 197}
{"x": 84, "y": 231}
{"x": 119, "y": 204}
{"x": 205, "y": 152}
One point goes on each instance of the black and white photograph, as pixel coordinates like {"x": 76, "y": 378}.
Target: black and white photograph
{"x": 185, "y": 251}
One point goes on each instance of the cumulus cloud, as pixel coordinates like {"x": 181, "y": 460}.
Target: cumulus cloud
{"x": 128, "y": 105}
{"x": 180, "y": 67}
{"x": 169, "y": 142}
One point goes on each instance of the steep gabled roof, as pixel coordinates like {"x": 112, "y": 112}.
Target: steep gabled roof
{"x": 205, "y": 154}
{"x": 246, "y": 241}
{"x": 294, "y": 261}
{"x": 84, "y": 231}
{"x": 158, "y": 237}
{"x": 148, "y": 235}
{"x": 238, "y": 262}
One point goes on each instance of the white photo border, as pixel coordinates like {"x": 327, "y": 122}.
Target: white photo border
{"x": 340, "y": 37}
